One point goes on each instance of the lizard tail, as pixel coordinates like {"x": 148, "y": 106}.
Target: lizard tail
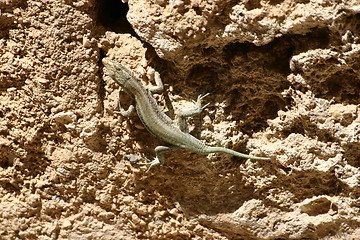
{"x": 208, "y": 150}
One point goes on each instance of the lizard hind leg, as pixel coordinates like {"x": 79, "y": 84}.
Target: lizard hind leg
{"x": 160, "y": 158}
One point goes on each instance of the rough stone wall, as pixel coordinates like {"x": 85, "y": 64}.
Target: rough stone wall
{"x": 285, "y": 81}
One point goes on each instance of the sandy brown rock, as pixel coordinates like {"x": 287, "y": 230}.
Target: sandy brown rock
{"x": 284, "y": 77}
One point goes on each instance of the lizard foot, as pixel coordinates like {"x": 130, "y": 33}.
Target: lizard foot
{"x": 154, "y": 162}
{"x": 134, "y": 160}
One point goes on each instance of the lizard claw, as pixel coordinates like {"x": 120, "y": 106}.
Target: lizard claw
{"x": 201, "y": 96}
{"x": 203, "y": 107}
{"x": 198, "y": 102}
{"x": 154, "y": 162}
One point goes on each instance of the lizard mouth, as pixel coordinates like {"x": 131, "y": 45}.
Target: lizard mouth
{"x": 106, "y": 62}
{"x": 110, "y": 68}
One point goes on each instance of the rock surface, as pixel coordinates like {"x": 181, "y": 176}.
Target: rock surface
{"x": 285, "y": 83}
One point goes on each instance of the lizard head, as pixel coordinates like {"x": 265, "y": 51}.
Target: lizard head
{"x": 117, "y": 71}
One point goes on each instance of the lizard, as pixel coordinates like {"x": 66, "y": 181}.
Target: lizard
{"x": 156, "y": 121}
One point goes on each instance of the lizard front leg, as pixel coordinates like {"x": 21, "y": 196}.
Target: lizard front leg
{"x": 127, "y": 112}
{"x": 191, "y": 112}
{"x": 159, "y": 87}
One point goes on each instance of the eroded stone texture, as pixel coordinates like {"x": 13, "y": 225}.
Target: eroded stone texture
{"x": 300, "y": 59}
{"x": 181, "y": 31}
